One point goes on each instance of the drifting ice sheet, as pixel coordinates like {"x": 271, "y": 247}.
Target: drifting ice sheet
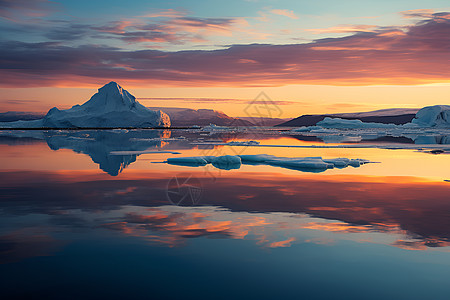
{"x": 305, "y": 164}
{"x": 350, "y": 124}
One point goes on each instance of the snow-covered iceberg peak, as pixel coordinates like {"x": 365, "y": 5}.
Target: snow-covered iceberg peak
{"x": 430, "y": 116}
{"x": 111, "y": 97}
{"x": 111, "y": 107}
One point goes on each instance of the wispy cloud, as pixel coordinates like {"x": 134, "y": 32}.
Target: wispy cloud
{"x": 343, "y": 29}
{"x": 17, "y": 9}
{"x": 220, "y": 100}
{"x": 417, "y": 13}
{"x": 170, "y": 27}
{"x": 425, "y": 14}
{"x": 284, "y": 12}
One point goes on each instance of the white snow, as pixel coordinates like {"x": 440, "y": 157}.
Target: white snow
{"x": 112, "y": 106}
{"x": 431, "y": 116}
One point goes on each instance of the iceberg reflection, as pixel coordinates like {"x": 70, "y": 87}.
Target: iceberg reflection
{"x": 274, "y": 211}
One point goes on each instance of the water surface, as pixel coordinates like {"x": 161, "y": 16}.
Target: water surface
{"x": 80, "y": 222}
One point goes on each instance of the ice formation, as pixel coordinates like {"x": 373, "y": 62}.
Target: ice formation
{"x": 112, "y": 106}
{"x": 431, "y": 116}
{"x": 350, "y": 124}
{"x": 306, "y": 164}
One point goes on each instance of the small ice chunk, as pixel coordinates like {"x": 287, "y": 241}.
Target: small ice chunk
{"x": 227, "y": 162}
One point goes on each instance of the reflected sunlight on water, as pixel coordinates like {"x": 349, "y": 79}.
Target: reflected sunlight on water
{"x": 64, "y": 192}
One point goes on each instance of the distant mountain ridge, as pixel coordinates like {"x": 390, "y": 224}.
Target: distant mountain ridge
{"x": 11, "y": 116}
{"x": 396, "y": 116}
{"x": 180, "y": 117}
{"x": 265, "y": 121}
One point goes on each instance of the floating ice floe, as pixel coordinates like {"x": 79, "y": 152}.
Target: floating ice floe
{"x": 215, "y": 128}
{"x": 305, "y": 164}
{"x": 350, "y": 124}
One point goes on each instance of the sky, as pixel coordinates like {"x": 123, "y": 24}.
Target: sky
{"x": 306, "y": 56}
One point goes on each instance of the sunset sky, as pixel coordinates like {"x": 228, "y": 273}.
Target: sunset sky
{"x": 307, "y": 56}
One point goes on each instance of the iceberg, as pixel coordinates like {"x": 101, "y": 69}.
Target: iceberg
{"x": 111, "y": 107}
{"x": 433, "y": 116}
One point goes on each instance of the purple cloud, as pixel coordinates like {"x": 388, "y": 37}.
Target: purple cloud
{"x": 414, "y": 55}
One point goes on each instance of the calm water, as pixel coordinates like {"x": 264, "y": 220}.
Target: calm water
{"x": 82, "y": 221}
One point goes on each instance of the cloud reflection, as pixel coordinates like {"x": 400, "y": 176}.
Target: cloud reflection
{"x": 25, "y": 243}
{"x": 272, "y": 210}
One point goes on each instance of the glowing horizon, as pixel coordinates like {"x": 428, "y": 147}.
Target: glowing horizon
{"x": 306, "y": 58}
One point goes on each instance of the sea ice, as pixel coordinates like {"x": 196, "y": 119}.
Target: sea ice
{"x": 305, "y": 164}
{"x": 350, "y": 124}
{"x": 215, "y": 128}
